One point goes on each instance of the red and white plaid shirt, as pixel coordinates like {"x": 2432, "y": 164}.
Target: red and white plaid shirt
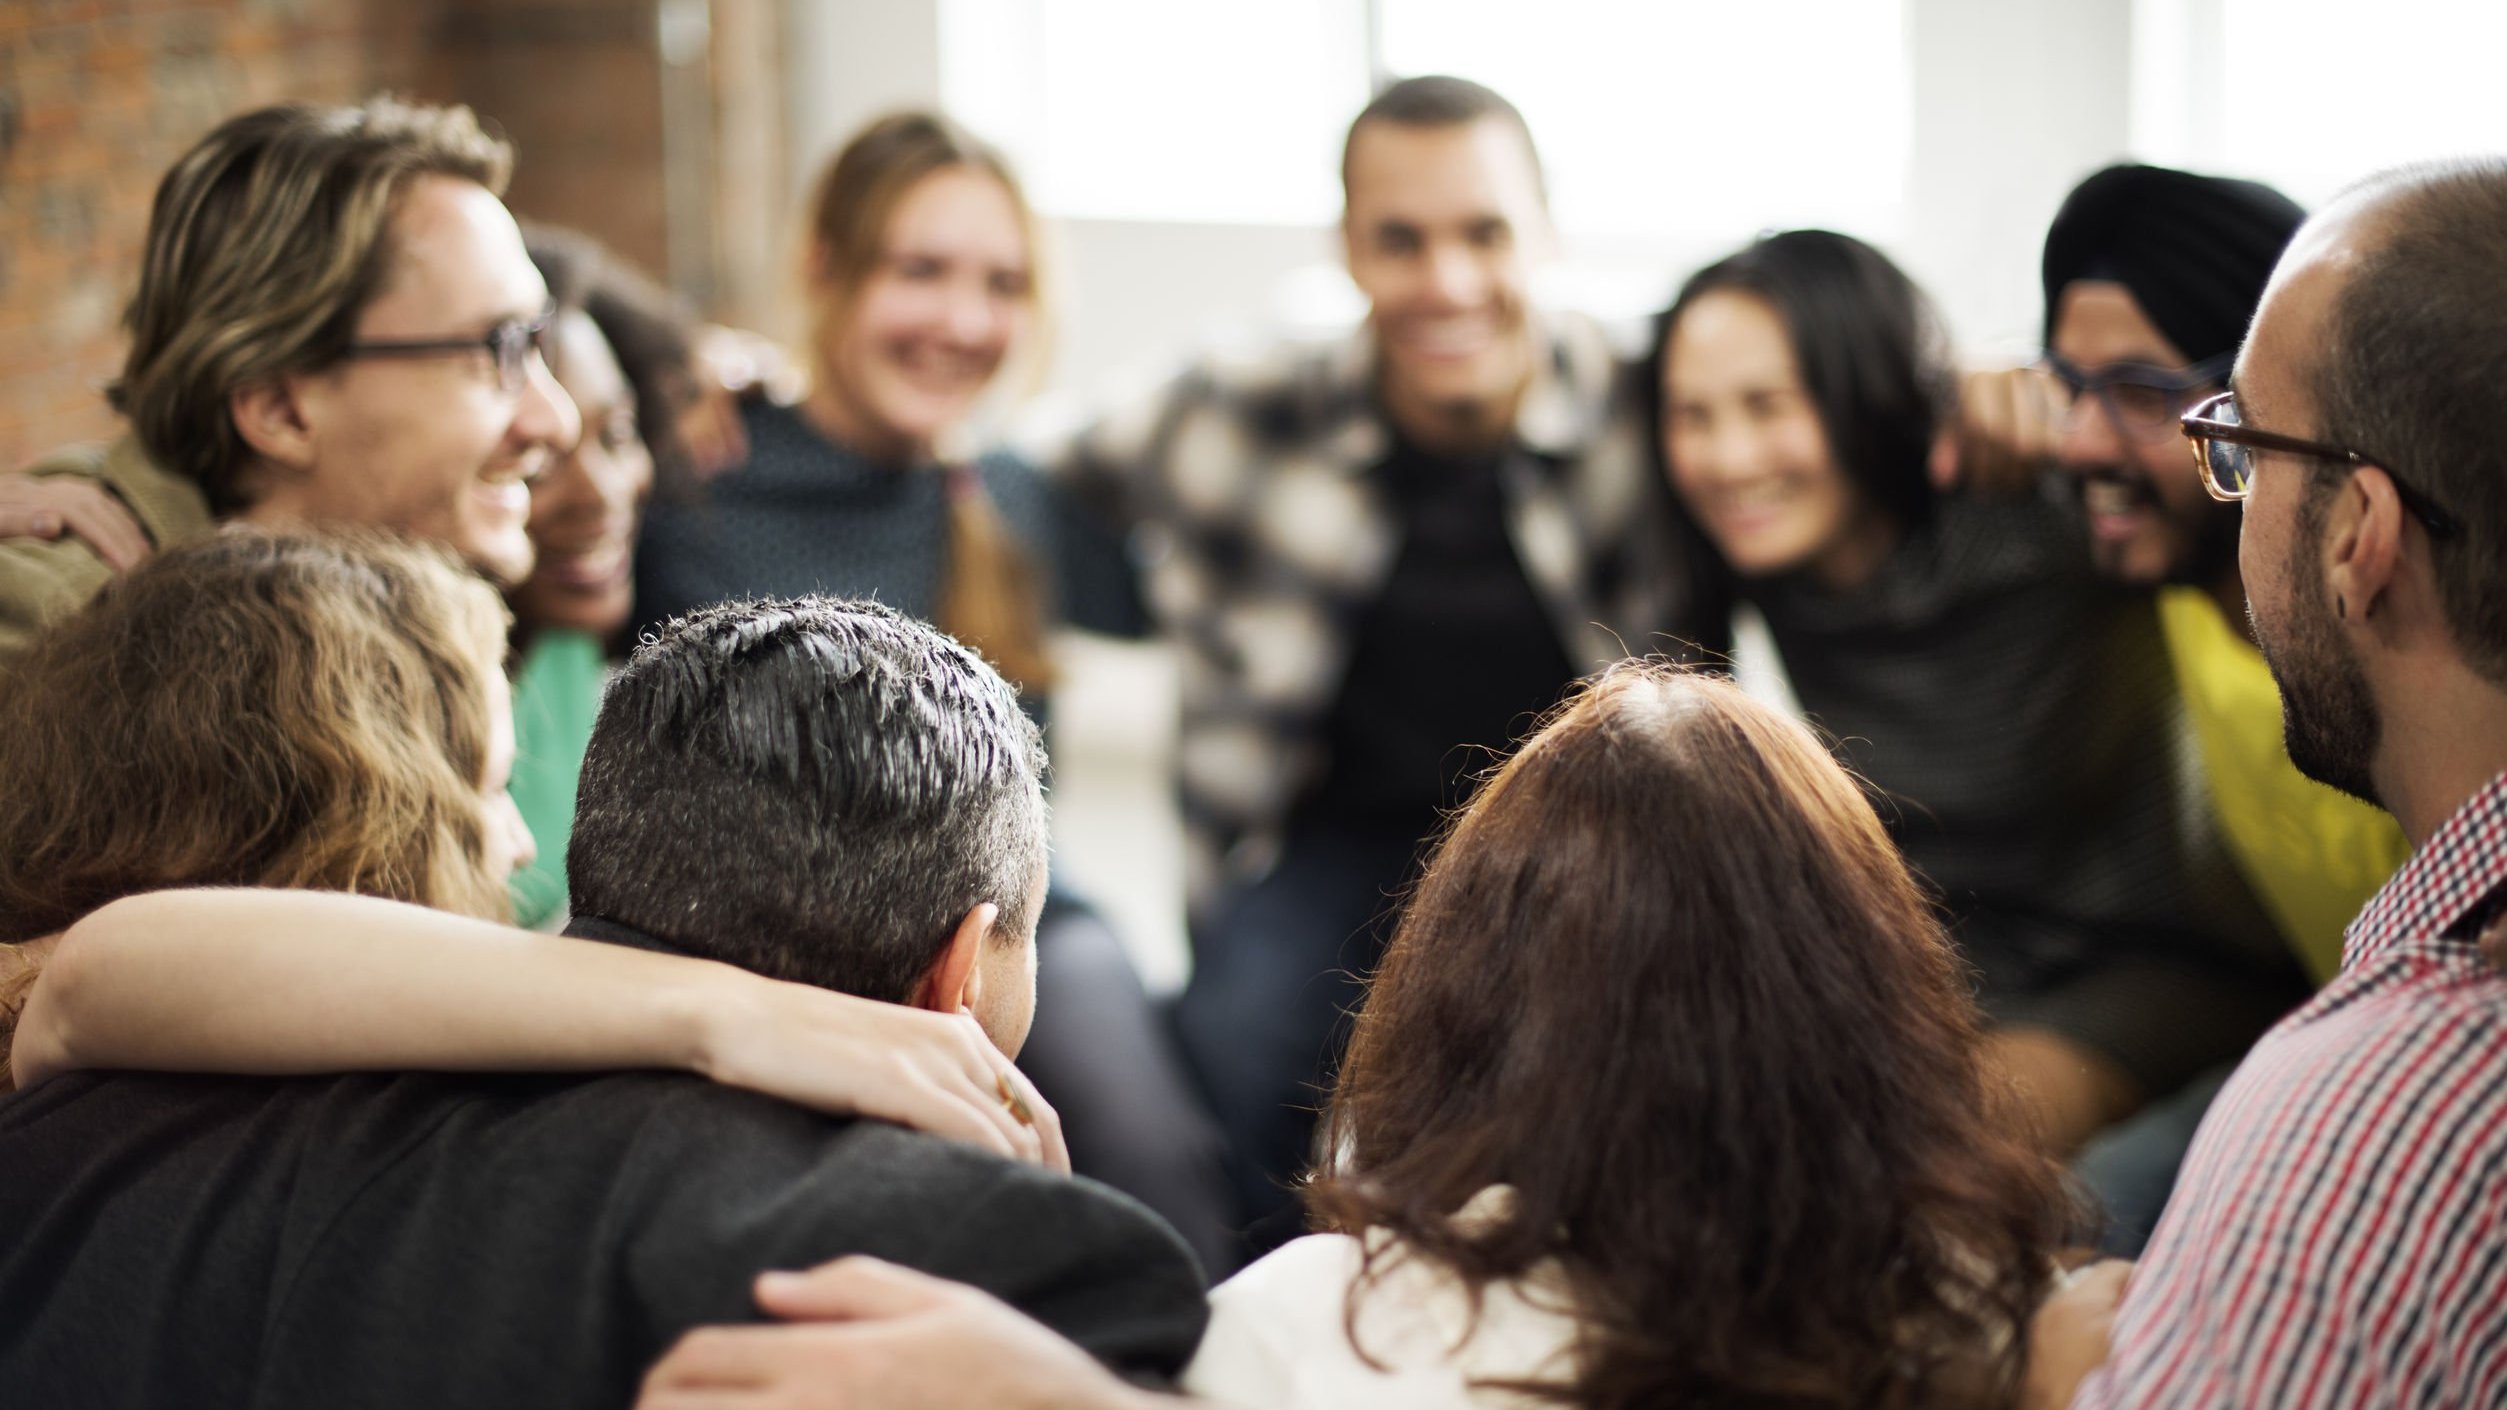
{"x": 2339, "y": 1235}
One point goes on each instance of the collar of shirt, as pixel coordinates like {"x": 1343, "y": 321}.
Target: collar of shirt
{"x": 2463, "y": 862}
{"x": 610, "y": 932}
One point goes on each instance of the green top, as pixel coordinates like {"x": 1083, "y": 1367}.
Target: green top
{"x": 557, "y": 695}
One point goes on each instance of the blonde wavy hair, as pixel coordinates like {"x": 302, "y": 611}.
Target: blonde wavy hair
{"x": 266, "y": 241}
{"x": 254, "y": 709}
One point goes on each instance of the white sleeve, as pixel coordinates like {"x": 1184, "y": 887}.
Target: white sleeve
{"x": 1261, "y": 1322}
{"x": 1279, "y": 1340}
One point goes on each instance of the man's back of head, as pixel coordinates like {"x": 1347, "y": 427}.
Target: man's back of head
{"x": 818, "y": 791}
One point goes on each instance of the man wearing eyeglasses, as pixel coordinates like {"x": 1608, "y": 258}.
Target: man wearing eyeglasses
{"x": 2151, "y": 277}
{"x": 2341, "y": 1229}
{"x": 336, "y": 322}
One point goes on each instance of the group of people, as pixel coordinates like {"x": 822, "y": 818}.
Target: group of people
{"x": 1789, "y": 1042}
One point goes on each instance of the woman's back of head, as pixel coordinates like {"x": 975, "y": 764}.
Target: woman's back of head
{"x": 253, "y": 709}
{"x": 1667, "y": 978}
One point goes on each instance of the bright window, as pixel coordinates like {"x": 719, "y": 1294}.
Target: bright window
{"x": 2311, "y": 95}
{"x": 1692, "y": 119}
{"x": 1174, "y": 110}
{"x": 1700, "y": 118}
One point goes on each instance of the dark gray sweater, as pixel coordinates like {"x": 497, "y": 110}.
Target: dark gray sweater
{"x": 2017, "y": 721}
{"x": 806, "y": 515}
{"x": 428, "y": 1241}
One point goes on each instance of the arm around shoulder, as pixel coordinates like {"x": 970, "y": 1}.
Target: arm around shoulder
{"x": 874, "y": 1336}
{"x": 41, "y": 582}
{"x": 281, "y": 983}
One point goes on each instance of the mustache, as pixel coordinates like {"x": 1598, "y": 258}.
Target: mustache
{"x": 2111, "y": 486}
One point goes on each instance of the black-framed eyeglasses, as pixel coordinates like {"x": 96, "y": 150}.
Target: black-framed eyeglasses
{"x": 2142, "y": 403}
{"x": 510, "y": 345}
{"x": 2224, "y": 454}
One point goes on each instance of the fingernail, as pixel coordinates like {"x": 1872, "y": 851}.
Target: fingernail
{"x": 778, "y": 1282}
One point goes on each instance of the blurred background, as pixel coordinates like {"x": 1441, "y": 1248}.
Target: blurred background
{"x": 1185, "y": 152}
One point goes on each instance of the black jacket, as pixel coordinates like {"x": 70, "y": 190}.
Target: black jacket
{"x": 430, "y": 1241}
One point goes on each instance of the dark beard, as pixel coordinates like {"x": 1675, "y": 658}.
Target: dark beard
{"x": 2329, "y": 721}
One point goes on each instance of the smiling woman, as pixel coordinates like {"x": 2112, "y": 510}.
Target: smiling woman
{"x": 620, "y": 351}
{"x": 1803, "y": 380}
{"x": 921, "y": 275}
{"x": 922, "y": 278}
{"x": 2018, "y": 714}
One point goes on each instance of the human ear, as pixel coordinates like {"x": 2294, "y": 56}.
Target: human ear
{"x": 955, "y": 980}
{"x": 2363, "y": 543}
{"x": 271, "y": 419}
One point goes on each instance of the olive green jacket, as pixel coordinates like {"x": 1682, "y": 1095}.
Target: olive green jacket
{"x": 44, "y": 580}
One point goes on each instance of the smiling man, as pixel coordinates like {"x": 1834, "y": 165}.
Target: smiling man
{"x": 2342, "y": 1224}
{"x": 1381, "y": 560}
{"x": 336, "y": 322}
{"x": 2151, "y": 277}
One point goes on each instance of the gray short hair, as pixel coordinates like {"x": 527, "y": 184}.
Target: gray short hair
{"x": 811, "y": 789}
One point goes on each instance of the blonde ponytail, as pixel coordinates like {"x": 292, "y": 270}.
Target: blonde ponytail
{"x": 990, "y": 597}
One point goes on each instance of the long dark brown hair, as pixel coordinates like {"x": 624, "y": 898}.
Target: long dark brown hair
{"x": 1668, "y": 979}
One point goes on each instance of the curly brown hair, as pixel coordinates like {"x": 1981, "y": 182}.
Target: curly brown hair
{"x": 1667, "y": 978}
{"x": 253, "y": 709}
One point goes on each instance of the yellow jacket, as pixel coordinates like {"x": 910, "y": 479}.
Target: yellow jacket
{"x": 2315, "y": 856}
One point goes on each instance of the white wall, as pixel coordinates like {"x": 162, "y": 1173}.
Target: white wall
{"x": 2015, "y": 100}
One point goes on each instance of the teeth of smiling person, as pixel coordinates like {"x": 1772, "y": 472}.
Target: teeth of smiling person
{"x": 510, "y": 496}
{"x": 1758, "y": 496}
{"x": 942, "y": 366}
{"x": 1449, "y": 339}
{"x": 2110, "y": 497}
{"x": 598, "y": 566}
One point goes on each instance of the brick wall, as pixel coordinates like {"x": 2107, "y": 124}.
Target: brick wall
{"x": 577, "y": 85}
{"x": 98, "y": 97}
